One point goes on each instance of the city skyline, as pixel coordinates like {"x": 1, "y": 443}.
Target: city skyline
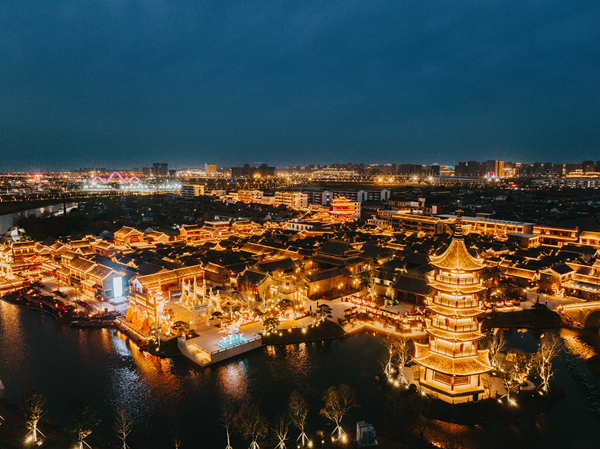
{"x": 102, "y": 84}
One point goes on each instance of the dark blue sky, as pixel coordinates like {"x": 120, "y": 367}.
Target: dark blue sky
{"x": 117, "y": 83}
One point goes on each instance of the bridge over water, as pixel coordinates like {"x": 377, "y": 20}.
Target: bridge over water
{"x": 585, "y": 313}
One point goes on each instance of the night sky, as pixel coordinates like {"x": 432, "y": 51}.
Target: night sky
{"x": 126, "y": 83}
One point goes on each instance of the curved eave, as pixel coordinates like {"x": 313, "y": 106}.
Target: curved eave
{"x": 463, "y": 366}
{"x": 454, "y": 288}
{"x": 454, "y": 336}
{"x": 467, "y": 312}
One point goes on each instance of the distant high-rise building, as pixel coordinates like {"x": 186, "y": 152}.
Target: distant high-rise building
{"x": 473, "y": 168}
{"x": 588, "y": 166}
{"x": 164, "y": 169}
{"x": 598, "y": 166}
{"x": 146, "y": 171}
{"x": 192, "y": 190}
{"x": 210, "y": 169}
{"x": 495, "y": 168}
{"x": 265, "y": 171}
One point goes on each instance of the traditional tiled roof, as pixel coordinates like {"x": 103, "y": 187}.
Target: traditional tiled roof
{"x": 457, "y": 257}
{"x": 166, "y": 276}
{"x": 252, "y": 277}
{"x": 81, "y": 264}
{"x": 461, "y": 366}
{"x": 324, "y": 274}
{"x": 467, "y": 289}
{"x": 126, "y": 230}
{"x": 411, "y": 284}
{"x": 277, "y": 265}
{"x": 465, "y": 312}
{"x": 335, "y": 248}
{"x": 100, "y": 272}
{"x": 563, "y": 268}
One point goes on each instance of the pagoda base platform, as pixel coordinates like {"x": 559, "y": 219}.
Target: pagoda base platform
{"x": 459, "y": 395}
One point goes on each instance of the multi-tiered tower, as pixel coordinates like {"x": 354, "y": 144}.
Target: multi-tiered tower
{"x": 451, "y": 364}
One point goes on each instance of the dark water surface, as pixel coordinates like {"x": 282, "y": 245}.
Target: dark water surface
{"x": 102, "y": 365}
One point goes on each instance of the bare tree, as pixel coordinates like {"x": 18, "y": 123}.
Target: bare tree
{"x": 280, "y": 429}
{"x": 252, "y": 424}
{"x": 246, "y": 290}
{"x": 34, "y": 410}
{"x": 371, "y": 282}
{"x": 398, "y": 354}
{"x": 338, "y": 402}
{"x": 494, "y": 342}
{"x": 298, "y": 410}
{"x": 226, "y": 420}
{"x": 524, "y": 362}
{"x": 84, "y": 420}
{"x": 402, "y": 350}
{"x": 509, "y": 375}
{"x": 548, "y": 349}
{"x": 123, "y": 422}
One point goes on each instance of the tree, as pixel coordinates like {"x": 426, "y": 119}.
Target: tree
{"x": 371, "y": 282}
{"x": 84, "y": 420}
{"x": 298, "y": 410}
{"x": 284, "y": 304}
{"x": 34, "y": 410}
{"x": 252, "y": 424}
{"x": 494, "y": 342}
{"x": 523, "y": 362}
{"x": 226, "y": 420}
{"x": 510, "y": 375}
{"x": 123, "y": 422}
{"x": 402, "y": 351}
{"x": 270, "y": 325}
{"x": 156, "y": 330}
{"x": 323, "y": 311}
{"x": 398, "y": 353}
{"x": 280, "y": 429}
{"x": 246, "y": 290}
{"x": 169, "y": 316}
{"x": 548, "y": 349}
{"x": 338, "y": 402}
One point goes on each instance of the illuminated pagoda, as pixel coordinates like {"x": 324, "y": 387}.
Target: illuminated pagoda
{"x": 342, "y": 209}
{"x": 451, "y": 364}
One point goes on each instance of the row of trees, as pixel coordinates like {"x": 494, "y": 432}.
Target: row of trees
{"x": 82, "y": 416}
{"x": 516, "y": 366}
{"x": 248, "y": 421}
{"x": 254, "y": 427}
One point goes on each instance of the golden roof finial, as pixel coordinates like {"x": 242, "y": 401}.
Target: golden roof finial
{"x": 458, "y": 232}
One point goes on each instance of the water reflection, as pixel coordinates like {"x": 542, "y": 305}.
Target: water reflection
{"x": 104, "y": 366}
{"x": 232, "y": 381}
{"x": 575, "y": 345}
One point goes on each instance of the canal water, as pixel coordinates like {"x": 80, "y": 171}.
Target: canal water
{"x": 102, "y": 366}
{"x": 6, "y": 220}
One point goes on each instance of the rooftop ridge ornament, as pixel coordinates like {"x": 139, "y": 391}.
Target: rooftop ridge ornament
{"x": 458, "y": 230}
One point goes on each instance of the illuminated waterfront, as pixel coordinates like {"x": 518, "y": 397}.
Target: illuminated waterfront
{"x": 102, "y": 365}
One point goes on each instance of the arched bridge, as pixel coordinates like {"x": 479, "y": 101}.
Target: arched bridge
{"x": 585, "y": 313}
